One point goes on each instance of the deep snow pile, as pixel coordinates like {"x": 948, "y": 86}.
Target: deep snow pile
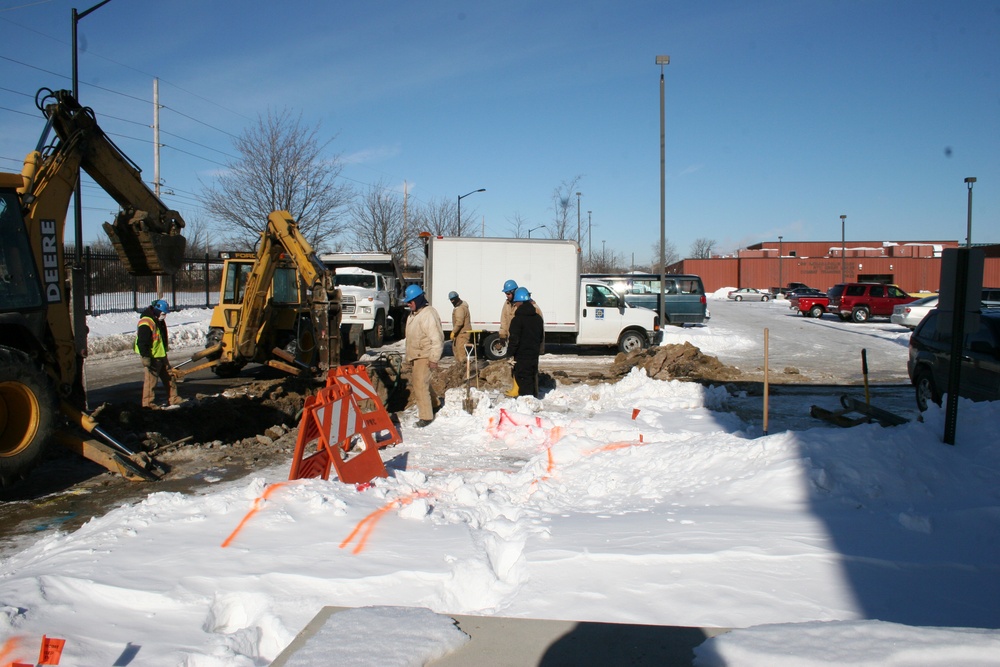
{"x": 636, "y": 502}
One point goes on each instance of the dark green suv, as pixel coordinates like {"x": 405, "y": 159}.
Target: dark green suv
{"x": 930, "y": 352}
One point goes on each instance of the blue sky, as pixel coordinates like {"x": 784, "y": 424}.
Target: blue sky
{"x": 780, "y": 116}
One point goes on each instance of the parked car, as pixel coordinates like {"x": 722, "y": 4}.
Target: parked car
{"x": 991, "y": 297}
{"x": 930, "y": 355}
{"x": 686, "y": 302}
{"x": 860, "y": 302}
{"x": 748, "y": 294}
{"x": 910, "y": 314}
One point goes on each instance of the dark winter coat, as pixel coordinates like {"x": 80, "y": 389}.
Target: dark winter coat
{"x": 526, "y": 333}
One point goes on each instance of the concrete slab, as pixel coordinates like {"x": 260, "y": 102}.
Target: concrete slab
{"x": 518, "y": 642}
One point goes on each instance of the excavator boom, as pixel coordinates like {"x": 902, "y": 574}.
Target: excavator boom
{"x": 145, "y": 233}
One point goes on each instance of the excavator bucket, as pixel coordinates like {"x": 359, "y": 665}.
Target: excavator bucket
{"x": 145, "y": 250}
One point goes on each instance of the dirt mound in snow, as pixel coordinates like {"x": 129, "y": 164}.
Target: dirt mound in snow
{"x": 675, "y": 362}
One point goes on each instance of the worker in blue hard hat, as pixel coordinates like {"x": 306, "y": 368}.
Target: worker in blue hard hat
{"x": 461, "y": 326}
{"x": 424, "y": 344}
{"x": 526, "y": 333}
{"x": 152, "y": 344}
{"x": 507, "y": 312}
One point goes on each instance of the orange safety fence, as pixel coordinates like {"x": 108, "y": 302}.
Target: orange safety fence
{"x": 49, "y": 653}
{"x": 376, "y": 422}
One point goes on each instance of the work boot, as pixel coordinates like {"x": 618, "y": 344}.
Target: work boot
{"x": 423, "y": 422}
{"x": 513, "y": 392}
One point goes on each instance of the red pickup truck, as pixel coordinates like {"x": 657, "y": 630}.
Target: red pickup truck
{"x": 809, "y": 305}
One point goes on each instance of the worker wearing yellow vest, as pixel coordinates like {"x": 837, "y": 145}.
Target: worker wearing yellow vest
{"x": 151, "y": 345}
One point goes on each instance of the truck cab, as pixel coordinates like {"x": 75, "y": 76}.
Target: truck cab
{"x": 606, "y": 319}
{"x": 367, "y": 299}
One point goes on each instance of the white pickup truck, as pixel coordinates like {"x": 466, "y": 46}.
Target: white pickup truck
{"x": 369, "y": 285}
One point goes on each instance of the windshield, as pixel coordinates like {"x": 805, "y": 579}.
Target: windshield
{"x": 20, "y": 287}
{"x": 355, "y": 280}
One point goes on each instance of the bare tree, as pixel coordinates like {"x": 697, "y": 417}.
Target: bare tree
{"x": 520, "y": 226}
{"x": 562, "y": 204}
{"x": 440, "y": 217}
{"x": 702, "y": 248}
{"x": 282, "y": 167}
{"x": 669, "y": 255}
{"x": 605, "y": 260}
{"x": 376, "y": 221}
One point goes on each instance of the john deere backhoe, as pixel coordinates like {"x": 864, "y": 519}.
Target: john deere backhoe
{"x": 42, "y": 394}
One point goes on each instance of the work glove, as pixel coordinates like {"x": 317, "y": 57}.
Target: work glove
{"x": 146, "y": 362}
{"x": 453, "y": 335}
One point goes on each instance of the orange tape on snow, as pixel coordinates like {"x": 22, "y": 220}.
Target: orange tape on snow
{"x": 257, "y": 505}
{"x": 9, "y": 646}
{"x": 370, "y": 521}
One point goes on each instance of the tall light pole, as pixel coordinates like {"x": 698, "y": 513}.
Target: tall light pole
{"x": 843, "y": 252}
{"x": 76, "y": 274}
{"x": 968, "y": 233}
{"x": 663, "y": 61}
{"x": 590, "y": 240}
{"x": 579, "y": 237}
{"x": 780, "y": 254}
{"x": 460, "y": 198}
{"x": 534, "y": 229}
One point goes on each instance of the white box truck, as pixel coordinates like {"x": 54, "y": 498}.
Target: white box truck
{"x": 576, "y": 312}
{"x": 370, "y": 285}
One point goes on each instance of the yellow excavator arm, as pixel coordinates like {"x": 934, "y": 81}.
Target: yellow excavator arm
{"x": 281, "y": 238}
{"x": 146, "y": 234}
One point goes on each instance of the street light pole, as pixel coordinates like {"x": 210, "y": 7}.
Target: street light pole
{"x": 662, "y": 61}
{"x": 780, "y": 254}
{"x": 76, "y": 272}
{"x": 460, "y": 198}
{"x": 533, "y": 229}
{"x": 579, "y": 237}
{"x": 968, "y": 233}
{"x": 843, "y": 252}
{"x": 590, "y": 240}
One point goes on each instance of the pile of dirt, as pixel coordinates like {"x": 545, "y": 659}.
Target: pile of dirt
{"x": 675, "y": 362}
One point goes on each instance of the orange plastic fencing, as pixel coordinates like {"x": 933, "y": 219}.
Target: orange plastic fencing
{"x": 257, "y": 505}
{"x": 332, "y": 419}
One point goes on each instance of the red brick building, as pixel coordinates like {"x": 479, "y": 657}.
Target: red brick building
{"x": 915, "y": 266}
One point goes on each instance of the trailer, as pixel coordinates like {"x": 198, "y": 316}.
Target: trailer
{"x": 575, "y": 311}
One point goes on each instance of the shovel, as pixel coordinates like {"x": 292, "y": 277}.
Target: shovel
{"x": 468, "y": 404}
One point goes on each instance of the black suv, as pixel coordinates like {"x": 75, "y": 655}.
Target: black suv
{"x": 930, "y": 352}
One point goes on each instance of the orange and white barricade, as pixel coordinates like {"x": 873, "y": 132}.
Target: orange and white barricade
{"x": 330, "y": 419}
{"x": 375, "y": 422}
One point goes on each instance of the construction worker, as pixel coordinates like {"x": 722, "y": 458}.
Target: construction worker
{"x": 151, "y": 344}
{"x": 424, "y": 344}
{"x": 507, "y": 311}
{"x": 461, "y": 326}
{"x": 526, "y": 333}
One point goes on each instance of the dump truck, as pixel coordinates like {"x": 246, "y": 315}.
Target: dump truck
{"x": 576, "y": 311}
{"x": 371, "y": 284}
{"x": 42, "y": 344}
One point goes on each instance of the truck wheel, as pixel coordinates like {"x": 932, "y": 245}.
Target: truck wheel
{"x": 494, "y": 347}
{"x": 860, "y": 315}
{"x": 816, "y": 311}
{"x": 27, "y": 414}
{"x": 377, "y": 333}
{"x": 631, "y": 341}
{"x": 923, "y": 383}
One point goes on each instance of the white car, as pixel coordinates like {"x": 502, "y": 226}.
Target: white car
{"x": 910, "y": 314}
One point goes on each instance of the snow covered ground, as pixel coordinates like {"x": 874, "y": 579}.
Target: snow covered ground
{"x": 638, "y": 502}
